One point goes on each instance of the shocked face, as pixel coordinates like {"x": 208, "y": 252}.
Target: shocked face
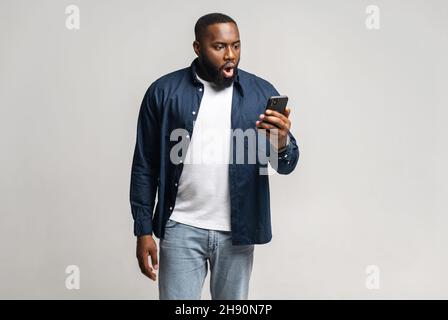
{"x": 219, "y": 53}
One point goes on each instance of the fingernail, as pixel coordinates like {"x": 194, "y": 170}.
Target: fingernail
{"x": 156, "y": 267}
{"x": 261, "y": 116}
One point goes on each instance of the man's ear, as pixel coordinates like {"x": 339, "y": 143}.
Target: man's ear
{"x": 196, "y": 47}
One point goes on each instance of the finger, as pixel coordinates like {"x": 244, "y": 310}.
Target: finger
{"x": 262, "y": 127}
{"x": 141, "y": 265}
{"x": 270, "y": 129}
{"x": 265, "y": 125}
{"x": 154, "y": 259}
{"x": 287, "y": 112}
{"x": 148, "y": 270}
{"x": 282, "y": 116}
{"x": 275, "y": 121}
{"x": 145, "y": 268}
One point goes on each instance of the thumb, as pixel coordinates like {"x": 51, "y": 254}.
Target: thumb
{"x": 287, "y": 112}
{"x": 154, "y": 260}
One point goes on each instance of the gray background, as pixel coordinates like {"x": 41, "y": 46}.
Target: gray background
{"x": 368, "y": 110}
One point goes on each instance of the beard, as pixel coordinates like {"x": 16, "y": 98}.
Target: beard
{"x": 216, "y": 75}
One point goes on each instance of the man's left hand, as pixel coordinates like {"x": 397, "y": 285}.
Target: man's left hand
{"x": 272, "y": 120}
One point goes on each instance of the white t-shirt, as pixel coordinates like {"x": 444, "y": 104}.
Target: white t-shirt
{"x": 203, "y": 197}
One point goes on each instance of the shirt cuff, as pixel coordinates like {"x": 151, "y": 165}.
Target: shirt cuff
{"x": 143, "y": 227}
{"x": 285, "y": 147}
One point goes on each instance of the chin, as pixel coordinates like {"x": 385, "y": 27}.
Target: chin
{"x": 224, "y": 82}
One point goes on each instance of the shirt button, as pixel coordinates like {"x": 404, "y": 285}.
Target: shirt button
{"x": 175, "y": 184}
{"x": 171, "y": 208}
{"x": 286, "y": 155}
{"x": 180, "y": 161}
{"x": 188, "y": 136}
{"x": 200, "y": 89}
{"x": 194, "y": 112}
{"x": 288, "y": 162}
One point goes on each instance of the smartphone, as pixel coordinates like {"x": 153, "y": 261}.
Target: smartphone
{"x": 277, "y": 103}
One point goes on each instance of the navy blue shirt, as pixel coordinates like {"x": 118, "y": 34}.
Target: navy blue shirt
{"x": 172, "y": 102}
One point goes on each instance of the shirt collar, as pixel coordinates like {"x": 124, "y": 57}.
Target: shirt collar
{"x": 237, "y": 80}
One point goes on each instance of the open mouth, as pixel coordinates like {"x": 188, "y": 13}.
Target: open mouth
{"x": 228, "y": 71}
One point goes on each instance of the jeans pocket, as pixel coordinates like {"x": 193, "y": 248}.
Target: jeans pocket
{"x": 170, "y": 223}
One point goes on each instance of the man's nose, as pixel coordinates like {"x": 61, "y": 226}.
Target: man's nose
{"x": 229, "y": 54}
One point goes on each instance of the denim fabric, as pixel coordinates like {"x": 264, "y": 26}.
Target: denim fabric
{"x": 186, "y": 253}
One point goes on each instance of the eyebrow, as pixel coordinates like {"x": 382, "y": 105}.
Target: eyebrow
{"x": 220, "y": 42}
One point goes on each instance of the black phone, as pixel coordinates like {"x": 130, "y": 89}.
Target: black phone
{"x": 277, "y": 103}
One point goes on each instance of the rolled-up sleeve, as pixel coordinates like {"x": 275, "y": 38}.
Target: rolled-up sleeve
{"x": 288, "y": 158}
{"x": 145, "y": 165}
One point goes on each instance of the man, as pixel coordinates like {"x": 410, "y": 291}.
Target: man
{"x": 207, "y": 211}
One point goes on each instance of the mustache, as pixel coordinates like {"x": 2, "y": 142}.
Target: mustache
{"x": 229, "y": 65}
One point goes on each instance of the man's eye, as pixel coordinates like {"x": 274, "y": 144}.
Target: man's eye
{"x": 219, "y": 47}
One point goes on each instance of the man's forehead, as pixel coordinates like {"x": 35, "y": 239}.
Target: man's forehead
{"x": 222, "y": 31}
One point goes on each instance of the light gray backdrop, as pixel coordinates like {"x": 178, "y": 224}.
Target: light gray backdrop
{"x": 368, "y": 110}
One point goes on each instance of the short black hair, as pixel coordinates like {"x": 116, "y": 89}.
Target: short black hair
{"x": 203, "y": 22}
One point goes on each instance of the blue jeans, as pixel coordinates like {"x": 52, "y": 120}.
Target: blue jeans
{"x": 184, "y": 254}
